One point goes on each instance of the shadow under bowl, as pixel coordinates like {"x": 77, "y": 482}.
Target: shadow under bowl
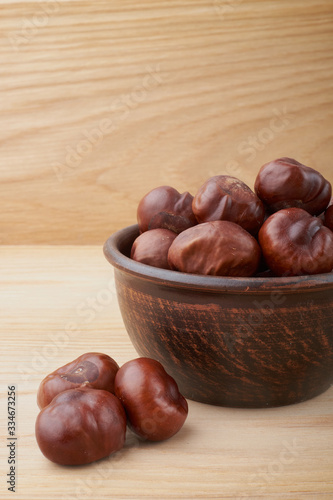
{"x": 237, "y": 342}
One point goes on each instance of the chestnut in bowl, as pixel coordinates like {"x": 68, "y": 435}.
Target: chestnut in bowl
{"x": 328, "y": 217}
{"x": 165, "y": 208}
{"x": 217, "y": 248}
{"x": 240, "y": 342}
{"x": 286, "y": 183}
{"x": 295, "y": 243}
{"x": 151, "y": 247}
{"x": 223, "y": 197}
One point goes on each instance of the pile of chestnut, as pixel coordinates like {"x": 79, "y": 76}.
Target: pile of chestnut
{"x": 86, "y": 406}
{"x": 282, "y": 228}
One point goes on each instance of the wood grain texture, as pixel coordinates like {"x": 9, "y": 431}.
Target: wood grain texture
{"x": 102, "y": 101}
{"x": 57, "y": 303}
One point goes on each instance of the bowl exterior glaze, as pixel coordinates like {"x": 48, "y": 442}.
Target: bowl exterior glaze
{"x": 238, "y": 342}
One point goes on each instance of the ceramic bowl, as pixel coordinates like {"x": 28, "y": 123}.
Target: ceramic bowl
{"x": 238, "y": 342}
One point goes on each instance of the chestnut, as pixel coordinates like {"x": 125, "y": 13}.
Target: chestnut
{"x": 164, "y": 207}
{"x": 285, "y": 183}
{"x": 218, "y": 248}
{"x": 80, "y": 426}
{"x": 328, "y": 217}
{"x": 151, "y": 247}
{"x": 224, "y": 197}
{"x": 93, "y": 369}
{"x": 155, "y": 408}
{"x": 293, "y": 243}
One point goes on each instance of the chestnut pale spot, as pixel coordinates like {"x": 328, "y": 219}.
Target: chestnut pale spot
{"x": 85, "y": 372}
{"x": 95, "y": 369}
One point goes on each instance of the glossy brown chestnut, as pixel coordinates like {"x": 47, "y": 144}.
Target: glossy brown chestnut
{"x": 155, "y": 408}
{"x": 164, "y": 207}
{"x": 93, "y": 369}
{"x": 152, "y": 247}
{"x": 80, "y": 426}
{"x": 328, "y": 217}
{"x": 223, "y": 197}
{"x": 285, "y": 183}
{"x": 218, "y": 248}
{"x": 295, "y": 243}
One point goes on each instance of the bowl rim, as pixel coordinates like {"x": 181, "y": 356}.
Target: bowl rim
{"x": 125, "y": 237}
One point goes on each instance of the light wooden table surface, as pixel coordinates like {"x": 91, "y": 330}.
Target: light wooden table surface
{"x": 59, "y": 302}
{"x": 101, "y": 101}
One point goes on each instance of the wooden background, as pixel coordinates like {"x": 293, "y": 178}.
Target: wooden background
{"x": 103, "y": 100}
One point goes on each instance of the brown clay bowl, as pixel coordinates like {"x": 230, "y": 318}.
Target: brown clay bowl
{"x": 238, "y": 342}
